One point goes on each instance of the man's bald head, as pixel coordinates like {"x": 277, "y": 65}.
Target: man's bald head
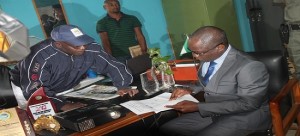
{"x": 208, "y": 43}
{"x": 210, "y": 36}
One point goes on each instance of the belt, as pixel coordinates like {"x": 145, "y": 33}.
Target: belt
{"x": 294, "y": 26}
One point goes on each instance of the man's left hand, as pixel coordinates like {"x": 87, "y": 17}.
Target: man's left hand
{"x": 179, "y": 92}
{"x": 184, "y": 106}
{"x": 130, "y": 92}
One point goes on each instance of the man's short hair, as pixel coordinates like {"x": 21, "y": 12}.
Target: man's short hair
{"x": 106, "y": 1}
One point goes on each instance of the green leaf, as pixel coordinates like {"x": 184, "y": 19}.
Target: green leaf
{"x": 161, "y": 63}
{"x": 169, "y": 72}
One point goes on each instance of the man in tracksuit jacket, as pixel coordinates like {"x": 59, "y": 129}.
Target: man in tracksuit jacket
{"x": 59, "y": 63}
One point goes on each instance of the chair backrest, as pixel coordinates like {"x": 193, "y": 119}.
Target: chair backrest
{"x": 7, "y": 97}
{"x": 277, "y": 66}
{"x": 285, "y": 92}
{"x": 139, "y": 64}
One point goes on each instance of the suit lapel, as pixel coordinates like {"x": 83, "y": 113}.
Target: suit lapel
{"x": 227, "y": 64}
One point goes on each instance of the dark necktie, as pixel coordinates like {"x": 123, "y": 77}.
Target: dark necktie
{"x": 210, "y": 70}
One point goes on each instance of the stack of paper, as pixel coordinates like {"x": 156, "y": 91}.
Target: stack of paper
{"x": 155, "y": 104}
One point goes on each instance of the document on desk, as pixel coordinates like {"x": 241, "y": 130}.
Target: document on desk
{"x": 155, "y": 104}
{"x": 85, "y": 82}
{"x": 97, "y": 92}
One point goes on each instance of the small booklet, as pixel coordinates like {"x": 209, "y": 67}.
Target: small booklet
{"x": 97, "y": 92}
{"x": 135, "y": 51}
{"x": 155, "y": 104}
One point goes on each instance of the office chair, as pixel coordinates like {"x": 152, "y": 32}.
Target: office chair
{"x": 284, "y": 93}
{"x": 282, "y": 123}
{"x": 277, "y": 66}
{"x": 7, "y": 97}
{"x": 139, "y": 64}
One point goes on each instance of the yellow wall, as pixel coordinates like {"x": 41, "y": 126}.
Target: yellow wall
{"x": 4, "y": 45}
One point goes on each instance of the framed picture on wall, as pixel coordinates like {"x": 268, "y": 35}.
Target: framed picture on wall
{"x": 51, "y": 14}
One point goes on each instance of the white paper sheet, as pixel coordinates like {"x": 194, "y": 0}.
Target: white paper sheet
{"x": 155, "y": 104}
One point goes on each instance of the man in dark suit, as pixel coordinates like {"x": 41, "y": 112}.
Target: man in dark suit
{"x": 234, "y": 88}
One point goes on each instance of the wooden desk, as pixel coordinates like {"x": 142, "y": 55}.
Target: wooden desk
{"x": 184, "y": 73}
{"x": 113, "y": 125}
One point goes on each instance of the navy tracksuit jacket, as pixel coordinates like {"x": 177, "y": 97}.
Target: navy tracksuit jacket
{"x": 57, "y": 71}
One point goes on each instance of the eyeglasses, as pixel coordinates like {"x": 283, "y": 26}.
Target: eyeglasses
{"x": 203, "y": 53}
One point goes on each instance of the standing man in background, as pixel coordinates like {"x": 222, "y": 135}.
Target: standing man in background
{"x": 119, "y": 31}
{"x": 292, "y": 20}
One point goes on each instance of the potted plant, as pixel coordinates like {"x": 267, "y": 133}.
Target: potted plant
{"x": 161, "y": 69}
{"x": 159, "y": 62}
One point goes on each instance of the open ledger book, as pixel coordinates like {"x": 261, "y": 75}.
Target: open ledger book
{"x": 84, "y": 83}
{"x": 97, "y": 92}
{"x": 155, "y": 104}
